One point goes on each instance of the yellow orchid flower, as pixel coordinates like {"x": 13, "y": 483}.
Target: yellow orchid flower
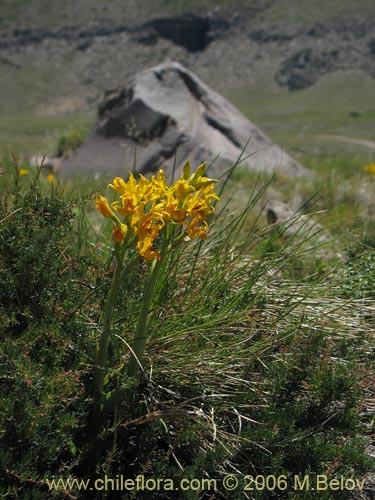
{"x": 195, "y": 230}
{"x": 119, "y": 233}
{"x": 102, "y": 205}
{"x": 159, "y": 185}
{"x": 145, "y": 249}
{"x": 181, "y": 188}
{"x": 128, "y": 201}
{"x": 119, "y": 185}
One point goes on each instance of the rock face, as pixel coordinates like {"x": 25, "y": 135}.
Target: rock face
{"x": 190, "y": 31}
{"x": 325, "y": 48}
{"x": 166, "y": 116}
{"x": 93, "y": 44}
{"x": 304, "y": 68}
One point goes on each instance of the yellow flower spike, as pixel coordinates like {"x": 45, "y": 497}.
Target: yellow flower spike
{"x": 102, "y": 205}
{"x": 149, "y": 205}
{"x": 148, "y": 209}
{"x": 23, "y": 171}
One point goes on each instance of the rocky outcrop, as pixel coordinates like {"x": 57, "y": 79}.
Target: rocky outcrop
{"x": 339, "y": 45}
{"x": 190, "y": 31}
{"x": 305, "y": 67}
{"x": 167, "y": 115}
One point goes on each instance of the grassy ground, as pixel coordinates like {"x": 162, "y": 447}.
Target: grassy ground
{"x": 301, "y": 13}
{"x": 28, "y": 134}
{"x": 296, "y": 120}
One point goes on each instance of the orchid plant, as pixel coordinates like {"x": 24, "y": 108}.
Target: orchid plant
{"x": 155, "y": 218}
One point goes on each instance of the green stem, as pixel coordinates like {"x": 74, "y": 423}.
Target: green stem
{"x": 144, "y": 318}
{"x": 101, "y": 359}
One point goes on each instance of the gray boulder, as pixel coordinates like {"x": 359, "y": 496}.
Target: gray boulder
{"x": 167, "y": 115}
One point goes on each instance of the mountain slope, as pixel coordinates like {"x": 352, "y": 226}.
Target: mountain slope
{"x": 58, "y": 57}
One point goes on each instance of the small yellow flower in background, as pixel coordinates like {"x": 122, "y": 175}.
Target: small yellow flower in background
{"x": 51, "y": 179}
{"x": 370, "y": 168}
{"x": 23, "y": 171}
{"x": 102, "y": 205}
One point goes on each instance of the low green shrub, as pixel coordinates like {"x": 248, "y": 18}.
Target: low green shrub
{"x": 69, "y": 141}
